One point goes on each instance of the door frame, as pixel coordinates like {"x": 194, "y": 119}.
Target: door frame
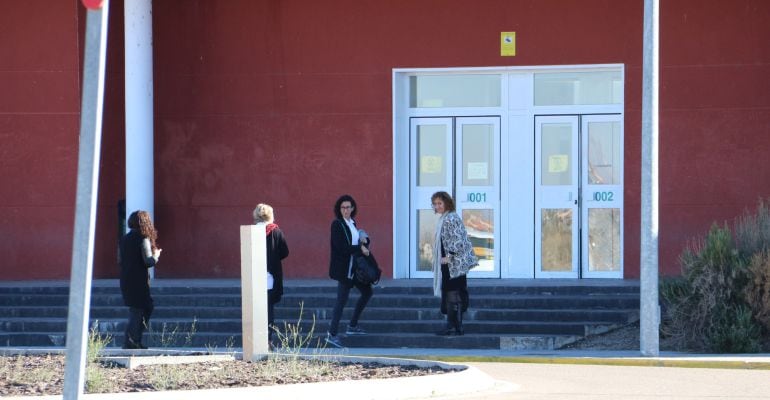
{"x": 517, "y": 111}
{"x": 466, "y": 197}
{"x": 558, "y": 197}
{"x": 580, "y": 194}
{"x": 596, "y": 196}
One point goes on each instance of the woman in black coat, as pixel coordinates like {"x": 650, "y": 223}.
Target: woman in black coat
{"x": 138, "y": 252}
{"x": 277, "y": 250}
{"x": 346, "y": 241}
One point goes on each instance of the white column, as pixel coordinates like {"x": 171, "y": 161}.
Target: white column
{"x": 140, "y": 184}
{"x": 139, "y": 111}
{"x": 650, "y": 310}
{"x": 254, "y": 291}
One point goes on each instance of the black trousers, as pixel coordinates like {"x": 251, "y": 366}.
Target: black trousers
{"x": 271, "y": 301}
{"x": 138, "y": 320}
{"x": 343, "y": 292}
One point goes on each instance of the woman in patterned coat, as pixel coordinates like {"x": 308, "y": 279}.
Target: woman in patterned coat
{"x": 453, "y": 257}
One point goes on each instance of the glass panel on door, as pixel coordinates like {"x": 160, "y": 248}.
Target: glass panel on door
{"x": 556, "y": 197}
{"x": 426, "y": 231}
{"x": 602, "y": 196}
{"x": 431, "y": 171}
{"x": 477, "y": 190}
{"x": 556, "y": 239}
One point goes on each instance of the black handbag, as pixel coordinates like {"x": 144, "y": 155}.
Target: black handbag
{"x": 366, "y": 270}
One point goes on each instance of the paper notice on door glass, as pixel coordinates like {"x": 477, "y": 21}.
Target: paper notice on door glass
{"x": 558, "y": 163}
{"x": 477, "y": 170}
{"x": 430, "y": 164}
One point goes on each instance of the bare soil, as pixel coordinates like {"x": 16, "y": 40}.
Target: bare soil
{"x": 624, "y": 338}
{"x": 35, "y": 375}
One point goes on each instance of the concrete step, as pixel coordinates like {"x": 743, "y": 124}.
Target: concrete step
{"x": 621, "y": 316}
{"x": 501, "y": 314}
{"x": 325, "y": 286}
{"x": 328, "y": 300}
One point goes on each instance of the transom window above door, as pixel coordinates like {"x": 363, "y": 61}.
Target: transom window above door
{"x": 436, "y": 91}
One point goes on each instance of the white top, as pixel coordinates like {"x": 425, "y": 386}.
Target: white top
{"x": 353, "y": 231}
{"x": 354, "y": 241}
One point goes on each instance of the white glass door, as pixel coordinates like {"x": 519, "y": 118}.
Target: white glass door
{"x": 602, "y": 205}
{"x": 556, "y": 197}
{"x": 431, "y": 170}
{"x": 477, "y": 188}
{"x": 460, "y": 156}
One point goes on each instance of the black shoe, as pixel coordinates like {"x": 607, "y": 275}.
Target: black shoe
{"x": 131, "y": 345}
{"x": 446, "y": 332}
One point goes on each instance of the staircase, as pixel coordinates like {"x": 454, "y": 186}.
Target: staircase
{"x": 503, "y": 314}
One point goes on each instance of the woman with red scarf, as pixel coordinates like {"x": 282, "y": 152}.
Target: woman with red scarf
{"x": 277, "y": 250}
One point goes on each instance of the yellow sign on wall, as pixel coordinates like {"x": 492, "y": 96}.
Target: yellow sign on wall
{"x": 508, "y": 43}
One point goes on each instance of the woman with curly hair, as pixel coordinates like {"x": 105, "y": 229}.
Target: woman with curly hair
{"x": 346, "y": 242}
{"x": 138, "y": 252}
{"x": 453, "y": 257}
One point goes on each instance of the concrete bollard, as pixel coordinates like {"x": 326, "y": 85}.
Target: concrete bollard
{"x": 254, "y": 291}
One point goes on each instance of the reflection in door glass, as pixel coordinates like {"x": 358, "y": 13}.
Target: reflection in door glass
{"x": 604, "y": 153}
{"x": 426, "y": 233}
{"x": 480, "y": 225}
{"x": 604, "y": 239}
{"x": 556, "y": 239}
{"x": 478, "y": 154}
{"x": 431, "y": 153}
{"x": 556, "y": 147}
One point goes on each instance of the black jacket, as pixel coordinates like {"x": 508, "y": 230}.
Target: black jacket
{"x": 277, "y": 250}
{"x": 134, "y": 278}
{"x": 341, "y": 250}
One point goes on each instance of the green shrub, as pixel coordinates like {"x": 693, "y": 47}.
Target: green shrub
{"x": 752, "y": 236}
{"x": 757, "y": 291}
{"x": 706, "y": 307}
{"x": 732, "y": 330}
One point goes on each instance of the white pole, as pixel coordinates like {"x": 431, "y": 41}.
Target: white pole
{"x": 254, "y": 291}
{"x": 85, "y": 202}
{"x": 650, "y": 308}
{"x": 140, "y": 185}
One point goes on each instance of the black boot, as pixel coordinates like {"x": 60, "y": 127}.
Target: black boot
{"x": 453, "y": 309}
{"x": 449, "y": 328}
{"x": 459, "y": 320}
{"x": 451, "y": 314}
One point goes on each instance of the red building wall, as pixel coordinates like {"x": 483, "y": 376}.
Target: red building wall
{"x": 289, "y": 102}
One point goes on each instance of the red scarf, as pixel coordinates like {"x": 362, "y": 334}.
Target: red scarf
{"x": 269, "y": 228}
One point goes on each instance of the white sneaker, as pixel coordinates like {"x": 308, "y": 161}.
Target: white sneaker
{"x": 334, "y": 341}
{"x": 355, "y": 330}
